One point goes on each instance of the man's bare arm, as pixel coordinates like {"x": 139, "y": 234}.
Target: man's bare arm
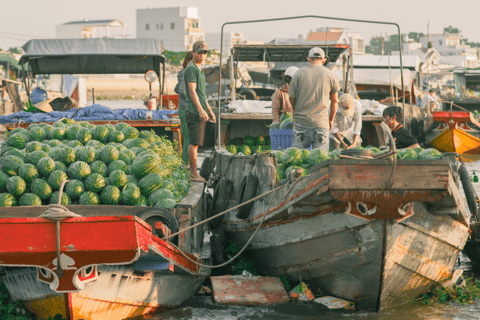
{"x": 333, "y": 108}
{"x": 192, "y": 88}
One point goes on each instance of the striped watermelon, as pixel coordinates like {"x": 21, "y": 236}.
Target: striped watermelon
{"x": 35, "y": 156}
{"x": 7, "y": 200}
{"x": 58, "y": 133}
{"x": 100, "y": 134}
{"x": 87, "y": 154}
{"x": 41, "y": 188}
{"x": 29, "y": 199}
{"x": 117, "y": 165}
{"x": 54, "y": 142}
{"x": 16, "y": 186}
{"x": 11, "y": 165}
{"x": 89, "y": 198}
{"x": 108, "y": 154}
{"x": 121, "y": 125}
{"x": 130, "y": 133}
{"x": 144, "y": 165}
{"x": 138, "y": 143}
{"x": 99, "y": 167}
{"x": 74, "y": 188}
{"x": 116, "y": 136}
{"x": 66, "y": 201}
{"x": 95, "y": 182}
{"x": 33, "y": 146}
{"x": 3, "y": 181}
{"x": 84, "y": 135}
{"x": 150, "y": 183}
{"x": 45, "y": 166}
{"x": 66, "y": 155}
{"x": 79, "y": 170}
{"x": 55, "y": 179}
{"x": 60, "y": 166}
{"x": 28, "y": 172}
{"x": 36, "y": 134}
{"x": 118, "y": 178}
{"x": 111, "y": 195}
{"x": 130, "y": 194}
{"x": 71, "y": 133}
{"x": 17, "y": 153}
{"x": 17, "y": 141}
{"x": 74, "y": 143}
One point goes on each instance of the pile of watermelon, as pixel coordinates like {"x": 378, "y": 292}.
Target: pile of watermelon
{"x": 285, "y": 119}
{"x": 293, "y": 158}
{"x": 249, "y": 145}
{"x": 104, "y": 164}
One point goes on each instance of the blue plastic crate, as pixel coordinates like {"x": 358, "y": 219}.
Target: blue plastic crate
{"x": 282, "y": 139}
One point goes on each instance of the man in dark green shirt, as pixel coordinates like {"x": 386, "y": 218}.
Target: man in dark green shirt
{"x": 198, "y": 111}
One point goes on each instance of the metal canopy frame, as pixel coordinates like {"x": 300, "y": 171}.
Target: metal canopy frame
{"x": 304, "y": 17}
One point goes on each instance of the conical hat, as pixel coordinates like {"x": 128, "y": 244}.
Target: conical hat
{"x": 44, "y": 106}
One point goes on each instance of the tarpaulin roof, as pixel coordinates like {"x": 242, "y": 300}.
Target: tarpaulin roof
{"x": 379, "y": 77}
{"x": 93, "y": 56}
{"x": 370, "y": 61}
{"x": 273, "y": 53}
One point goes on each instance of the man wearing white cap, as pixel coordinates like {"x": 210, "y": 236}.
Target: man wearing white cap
{"x": 310, "y": 91}
{"x": 347, "y": 124}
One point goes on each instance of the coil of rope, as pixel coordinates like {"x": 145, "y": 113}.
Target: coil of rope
{"x": 57, "y": 212}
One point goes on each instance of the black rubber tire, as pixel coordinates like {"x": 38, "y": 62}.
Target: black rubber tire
{"x": 249, "y": 192}
{"x": 241, "y": 190}
{"x": 153, "y": 215}
{"x": 207, "y": 167}
{"x": 221, "y": 198}
{"x": 249, "y": 94}
{"x": 218, "y": 243}
{"x": 469, "y": 191}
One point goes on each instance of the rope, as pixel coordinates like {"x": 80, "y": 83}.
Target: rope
{"x": 57, "y": 212}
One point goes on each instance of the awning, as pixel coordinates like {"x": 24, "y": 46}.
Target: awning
{"x": 379, "y": 78}
{"x": 93, "y": 56}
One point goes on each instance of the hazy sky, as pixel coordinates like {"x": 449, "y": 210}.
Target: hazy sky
{"x": 22, "y": 20}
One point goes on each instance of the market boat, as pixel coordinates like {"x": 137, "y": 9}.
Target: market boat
{"x": 113, "y": 263}
{"x": 362, "y": 230}
{"x": 455, "y": 131}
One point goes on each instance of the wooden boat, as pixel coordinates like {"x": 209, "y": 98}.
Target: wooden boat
{"x": 360, "y": 230}
{"x": 456, "y": 131}
{"x": 114, "y": 263}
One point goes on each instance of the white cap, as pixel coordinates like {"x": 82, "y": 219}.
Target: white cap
{"x": 316, "y": 53}
{"x": 347, "y": 105}
{"x": 291, "y": 71}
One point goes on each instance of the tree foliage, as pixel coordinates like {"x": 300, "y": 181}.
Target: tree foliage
{"x": 450, "y": 29}
{"x": 415, "y": 36}
{"x": 14, "y": 50}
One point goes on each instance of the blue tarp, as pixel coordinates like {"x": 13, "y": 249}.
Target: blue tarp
{"x": 95, "y": 112}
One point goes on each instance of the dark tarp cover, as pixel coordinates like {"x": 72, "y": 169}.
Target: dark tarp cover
{"x": 93, "y": 56}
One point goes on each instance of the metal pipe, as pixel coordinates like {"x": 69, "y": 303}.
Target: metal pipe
{"x": 303, "y": 17}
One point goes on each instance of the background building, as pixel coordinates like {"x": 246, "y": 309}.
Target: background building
{"x": 339, "y": 36}
{"x": 177, "y": 28}
{"x": 90, "y": 29}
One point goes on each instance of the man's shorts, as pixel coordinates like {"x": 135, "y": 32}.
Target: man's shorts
{"x": 196, "y": 128}
{"x": 304, "y": 136}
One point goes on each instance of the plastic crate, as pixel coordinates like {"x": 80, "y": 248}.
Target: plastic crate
{"x": 170, "y": 102}
{"x": 282, "y": 139}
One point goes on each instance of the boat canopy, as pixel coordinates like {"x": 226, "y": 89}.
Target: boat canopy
{"x": 281, "y": 53}
{"x": 374, "y": 78}
{"x": 93, "y": 56}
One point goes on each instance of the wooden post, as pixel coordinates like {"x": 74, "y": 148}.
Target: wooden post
{"x": 232, "y": 80}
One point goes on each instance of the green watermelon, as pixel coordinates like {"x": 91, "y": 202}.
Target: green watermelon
{"x": 231, "y": 148}
{"x": 160, "y": 194}
{"x": 35, "y": 156}
{"x": 6, "y": 149}
{"x": 95, "y": 144}
{"x": 168, "y": 184}
{"x": 249, "y": 141}
{"x": 95, "y": 182}
{"x": 54, "y": 143}
{"x": 147, "y": 136}
{"x": 58, "y": 124}
{"x": 107, "y": 182}
{"x": 45, "y": 166}
{"x": 121, "y": 125}
{"x": 125, "y": 157}
{"x": 99, "y": 167}
{"x": 275, "y": 125}
{"x": 16, "y": 186}
{"x": 57, "y": 133}
{"x": 118, "y": 178}
{"x": 17, "y": 153}
{"x": 33, "y": 146}
{"x": 260, "y": 141}
{"x": 120, "y": 147}
{"x": 7, "y": 200}
{"x": 117, "y": 165}
{"x": 74, "y": 143}
{"x": 3, "y": 181}
{"x": 108, "y": 154}
{"x": 11, "y": 165}
{"x": 116, "y": 136}
{"x": 84, "y": 124}
{"x": 256, "y": 149}
{"x": 74, "y": 189}
{"x": 47, "y": 130}
{"x": 28, "y": 172}
{"x": 144, "y": 165}
{"x": 150, "y": 183}
{"x": 60, "y": 166}
{"x": 292, "y": 156}
{"x": 245, "y": 149}
{"x": 41, "y": 188}
{"x": 84, "y": 135}
{"x": 110, "y": 127}
{"x": 130, "y": 179}
{"x": 111, "y": 195}
{"x": 130, "y": 133}
{"x": 71, "y": 132}
{"x": 138, "y": 143}
{"x": 66, "y": 201}
{"x": 66, "y": 155}
{"x": 142, "y": 201}
{"x": 55, "y": 179}
{"x": 17, "y": 141}
{"x": 46, "y": 147}
{"x": 79, "y": 170}
{"x": 87, "y": 154}
{"x": 130, "y": 194}
{"x": 18, "y": 130}
{"x": 166, "y": 203}
{"x": 29, "y": 199}
{"x": 283, "y": 124}
{"x": 317, "y": 156}
{"x": 100, "y": 134}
